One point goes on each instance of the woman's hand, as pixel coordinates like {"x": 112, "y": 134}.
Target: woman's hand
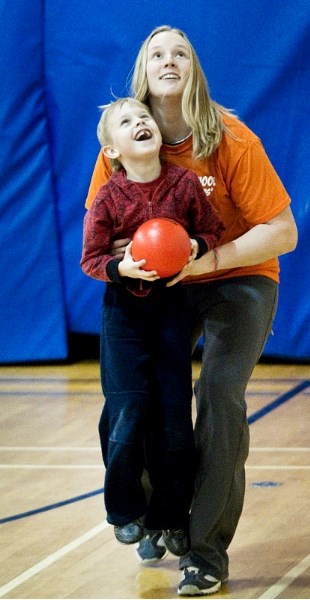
{"x": 128, "y": 267}
{"x": 205, "y": 264}
{"x": 118, "y": 247}
{"x": 261, "y": 243}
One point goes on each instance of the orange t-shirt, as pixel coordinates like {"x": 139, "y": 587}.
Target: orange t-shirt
{"x": 239, "y": 181}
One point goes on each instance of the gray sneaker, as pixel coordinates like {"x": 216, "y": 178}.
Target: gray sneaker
{"x": 196, "y": 582}
{"x": 130, "y": 533}
{"x": 151, "y": 548}
{"x": 176, "y": 541}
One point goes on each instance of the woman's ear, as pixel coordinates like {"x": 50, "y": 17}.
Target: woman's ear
{"x": 110, "y": 152}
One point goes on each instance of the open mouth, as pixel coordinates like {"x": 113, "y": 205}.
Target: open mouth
{"x": 170, "y": 76}
{"x": 142, "y": 135}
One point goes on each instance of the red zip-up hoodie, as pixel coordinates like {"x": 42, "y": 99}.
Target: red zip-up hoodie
{"x": 121, "y": 205}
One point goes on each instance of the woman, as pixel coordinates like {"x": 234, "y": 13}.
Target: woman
{"x": 232, "y": 292}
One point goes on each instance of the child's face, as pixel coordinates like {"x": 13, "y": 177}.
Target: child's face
{"x": 133, "y": 132}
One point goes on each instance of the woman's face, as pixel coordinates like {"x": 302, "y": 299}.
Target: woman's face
{"x": 168, "y": 64}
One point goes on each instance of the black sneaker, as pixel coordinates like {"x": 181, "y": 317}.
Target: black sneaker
{"x": 176, "y": 541}
{"x": 130, "y": 533}
{"x": 151, "y": 548}
{"x": 196, "y": 582}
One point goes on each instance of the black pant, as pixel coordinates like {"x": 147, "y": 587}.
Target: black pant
{"x": 235, "y": 316}
{"x": 147, "y": 383}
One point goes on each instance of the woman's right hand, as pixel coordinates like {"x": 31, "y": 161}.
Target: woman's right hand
{"x": 118, "y": 247}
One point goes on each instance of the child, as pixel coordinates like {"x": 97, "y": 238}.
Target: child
{"x": 146, "y": 352}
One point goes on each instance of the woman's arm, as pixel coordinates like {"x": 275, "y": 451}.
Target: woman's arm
{"x": 265, "y": 241}
{"x": 261, "y": 243}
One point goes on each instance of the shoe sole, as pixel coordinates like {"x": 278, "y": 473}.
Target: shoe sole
{"x": 151, "y": 561}
{"x": 129, "y": 542}
{"x": 193, "y": 590}
{"x": 176, "y": 552}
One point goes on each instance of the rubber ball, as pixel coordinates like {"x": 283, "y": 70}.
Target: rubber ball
{"x": 165, "y": 245}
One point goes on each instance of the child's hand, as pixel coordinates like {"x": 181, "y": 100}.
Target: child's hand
{"x": 130, "y": 268}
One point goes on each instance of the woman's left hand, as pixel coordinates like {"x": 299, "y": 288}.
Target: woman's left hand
{"x": 184, "y": 273}
{"x": 205, "y": 264}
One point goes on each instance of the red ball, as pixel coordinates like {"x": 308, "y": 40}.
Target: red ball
{"x": 165, "y": 245}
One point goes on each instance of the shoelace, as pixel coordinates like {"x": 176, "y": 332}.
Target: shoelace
{"x": 174, "y": 532}
{"x": 195, "y": 570}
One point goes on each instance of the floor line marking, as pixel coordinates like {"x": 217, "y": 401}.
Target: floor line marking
{"x": 280, "y": 400}
{"x": 50, "y": 467}
{"x": 50, "y": 449}
{"x": 48, "y": 393}
{"x": 97, "y": 449}
{"x": 52, "y": 558}
{"x": 101, "y": 466}
{"x": 287, "y": 579}
{"x": 286, "y": 449}
{"x": 48, "y": 507}
{"x": 279, "y": 467}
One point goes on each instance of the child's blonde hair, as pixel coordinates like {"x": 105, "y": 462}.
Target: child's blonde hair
{"x": 103, "y": 128}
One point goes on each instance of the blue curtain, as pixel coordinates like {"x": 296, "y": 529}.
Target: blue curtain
{"x": 59, "y": 62}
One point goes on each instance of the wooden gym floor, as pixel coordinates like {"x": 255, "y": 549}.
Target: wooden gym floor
{"x": 55, "y": 542}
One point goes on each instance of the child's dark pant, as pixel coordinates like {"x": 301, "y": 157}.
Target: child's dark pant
{"x": 147, "y": 383}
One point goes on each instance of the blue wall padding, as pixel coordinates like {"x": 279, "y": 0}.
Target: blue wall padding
{"x": 59, "y": 61}
{"x": 32, "y": 306}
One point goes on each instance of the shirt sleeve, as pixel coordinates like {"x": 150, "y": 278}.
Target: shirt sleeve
{"x": 256, "y": 188}
{"x": 101, "y": 174}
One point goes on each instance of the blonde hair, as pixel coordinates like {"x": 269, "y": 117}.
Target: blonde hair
{"x": 103, "y": 129}
{"x": 202, "y": 114}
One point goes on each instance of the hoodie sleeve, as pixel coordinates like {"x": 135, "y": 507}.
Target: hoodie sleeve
{"x": 97, "y": 237}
